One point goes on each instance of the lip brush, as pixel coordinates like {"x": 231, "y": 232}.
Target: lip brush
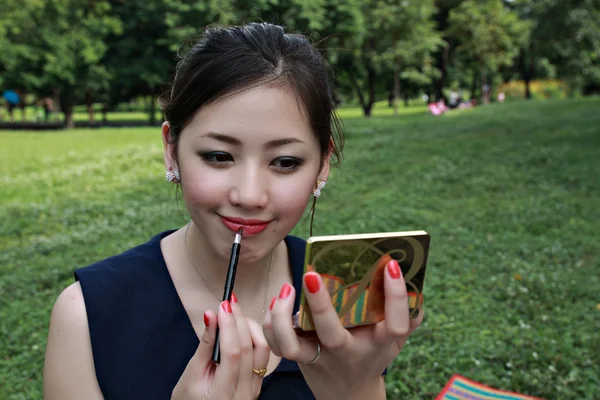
{"x": 229, "y": 282}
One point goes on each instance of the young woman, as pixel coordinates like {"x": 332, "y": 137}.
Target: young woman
{"x": 250, "y": 136}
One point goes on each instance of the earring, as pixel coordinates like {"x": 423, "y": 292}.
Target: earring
{"x": 172, "y": 176}
{"x": 320, "y": 186}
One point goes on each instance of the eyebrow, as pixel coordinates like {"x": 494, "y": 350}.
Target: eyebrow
{"x": 235, "y": 142}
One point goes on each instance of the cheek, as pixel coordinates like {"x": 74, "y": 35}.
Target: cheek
{"x": 202, "y": 189}
{"x": 291, "y": 200}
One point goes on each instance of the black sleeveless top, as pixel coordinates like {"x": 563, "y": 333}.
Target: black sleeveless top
{"x": 142, "y": 338}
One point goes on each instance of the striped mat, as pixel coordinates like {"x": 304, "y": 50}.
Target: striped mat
{"x": 461, "y": 388}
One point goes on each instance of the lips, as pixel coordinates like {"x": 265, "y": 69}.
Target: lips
{"x": 250, "y": 226}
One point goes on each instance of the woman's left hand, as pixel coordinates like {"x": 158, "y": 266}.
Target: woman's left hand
{"x": 351, "y": 361}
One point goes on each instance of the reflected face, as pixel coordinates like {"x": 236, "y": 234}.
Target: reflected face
{"x": 248, "y": 161}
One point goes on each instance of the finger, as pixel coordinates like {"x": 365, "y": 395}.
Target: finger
{"x": 282, "y": 327}
{"x": 414, "y": 324}
{"x": 203, "y": 356}
{"x": 207, "y": 340}
{"x": 397, "y": 315}
{"x": 244, "y": 384}
{"x": 261, "y": 353}
{"x": 268, "y": 330}
{"x": 329, "y": 328}
{"x": 227, "y": 373}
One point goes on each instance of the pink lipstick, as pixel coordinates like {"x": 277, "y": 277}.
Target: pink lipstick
{"x": 250, "y": 226}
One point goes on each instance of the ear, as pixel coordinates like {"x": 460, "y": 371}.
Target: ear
{"x": 169, "y": 148}
{"x": 324, "y": 172}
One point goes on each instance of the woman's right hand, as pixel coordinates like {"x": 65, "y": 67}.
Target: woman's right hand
{"x": 243, "y": 348}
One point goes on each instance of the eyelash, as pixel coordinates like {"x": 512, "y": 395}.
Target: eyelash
{"x": 212, "y": 158}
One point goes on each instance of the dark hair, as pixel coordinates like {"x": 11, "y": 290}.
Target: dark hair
{"x": 226, "y": 61}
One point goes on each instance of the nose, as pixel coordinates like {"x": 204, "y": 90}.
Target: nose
{"x": 250, "y": 188}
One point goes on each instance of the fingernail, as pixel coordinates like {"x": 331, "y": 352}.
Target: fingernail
{"x": 226, "y": 307}
{"x": 233, "y": 298}
{"x": 312, "y": 283}
{"x": 285, "y": 291}
{"x": 272, "y": 303}
{"x": 394, "y": 269}
{"x": 206, "y": 320}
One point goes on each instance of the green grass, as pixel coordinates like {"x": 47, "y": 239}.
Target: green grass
{"x": 380, "y": 109}
{"x": 30, "y": 116}
{"x": 510, "y": 194}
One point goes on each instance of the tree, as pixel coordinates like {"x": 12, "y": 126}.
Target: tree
{"x": 411, "y": 39}
{"x": 20, "y": 64}
{"x": 567, "y": 34}
{"x": 70, "y": 40}
{"x": 443, "y": 55}
{"x": 490, "y": 35}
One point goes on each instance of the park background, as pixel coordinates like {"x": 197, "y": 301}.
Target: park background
{"x": 508, "y": 190}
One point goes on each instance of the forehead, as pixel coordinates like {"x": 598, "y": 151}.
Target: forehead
{"x": 258, "y": 114}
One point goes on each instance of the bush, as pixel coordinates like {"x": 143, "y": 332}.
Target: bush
{"x": 540, "y": 90}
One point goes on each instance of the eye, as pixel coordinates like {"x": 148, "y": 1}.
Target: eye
{"x": 287, "y": 164}
{"x": 216, "y": 157}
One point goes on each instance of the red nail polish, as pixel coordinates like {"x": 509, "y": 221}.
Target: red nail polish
{"x": 393, "y": 269}
{"x": 312, "y": 283}
{"x": 285, "y": 291}
{"x": 233, "y": 298}
{"x": 206, "y": 320}
{"x": 272, "y": 303}
{"x": 226, "y": 307}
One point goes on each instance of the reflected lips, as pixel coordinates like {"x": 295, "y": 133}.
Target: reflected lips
{"x": 250, "y": 226}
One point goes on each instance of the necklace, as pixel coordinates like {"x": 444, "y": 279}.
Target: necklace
{"x": 208, "y": 286}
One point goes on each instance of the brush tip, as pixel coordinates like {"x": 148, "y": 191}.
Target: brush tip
{"x": 238, "y": 235}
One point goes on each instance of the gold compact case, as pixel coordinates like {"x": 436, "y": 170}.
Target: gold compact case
{"x": 352, "y": 268}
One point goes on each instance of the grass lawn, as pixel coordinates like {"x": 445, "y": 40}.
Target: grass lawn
{"x": 510, "y": 194}
{"x": 380, "y": 109}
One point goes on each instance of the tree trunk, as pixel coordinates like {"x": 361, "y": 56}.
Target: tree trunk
{"x": 371, "y": 80}
{"x": 105, "y": 112}
{"x": 66, "y": 100}
{"x": 525, "y": 72}
{"x": 441, "y": 18}
{"x": 152, "y": 110}
{"x": 366, "y": 104}
{"x": 371, "y": 75}
{"x": 443, "y": 67}
{"x": 474, "y": 81}
{"x": 406, "y": 103}
{"x": 485, "y": 90}
{"x": 359, "y": 93}
{"x": 396, "y": 87}
{"x": 68, "y": 113}
{"x": 396, "y": 73}
{"x": 89, "y": 102}
{"x": 23, "y": 105}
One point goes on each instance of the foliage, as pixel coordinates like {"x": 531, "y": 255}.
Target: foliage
{"x": 508, "y": 192}
{"x": 489, "y": 35}
{"x": 112, "y": 51}
{"x": 541, "y": 89}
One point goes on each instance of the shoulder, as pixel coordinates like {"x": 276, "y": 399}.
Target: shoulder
{"x": 69, "y": 366}
{"x": 133, "y": 268}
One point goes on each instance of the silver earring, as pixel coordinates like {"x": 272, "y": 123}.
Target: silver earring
{"x": 320, "y": 186}
{"x": 172, "y": 176}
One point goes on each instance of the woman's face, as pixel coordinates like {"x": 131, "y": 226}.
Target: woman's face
{"x": 248, "y": 161}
